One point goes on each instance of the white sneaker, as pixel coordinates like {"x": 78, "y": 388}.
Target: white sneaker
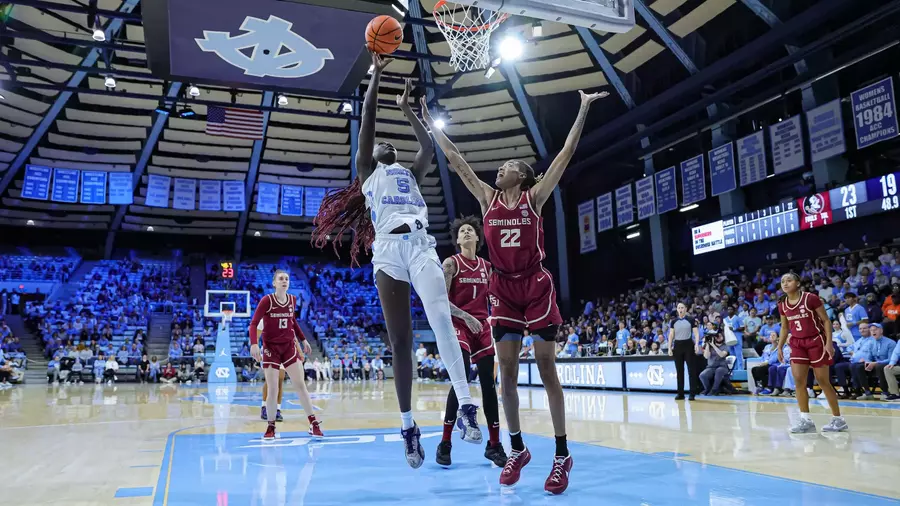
{"x": 812, "y": 393}
{"x": 837, "y": 424}
{"x": 803, "y": 426}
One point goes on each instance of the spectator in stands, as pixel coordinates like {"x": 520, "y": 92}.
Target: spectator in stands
{"x": 439, "y": 370}
{"x": 184, "y": 374}
{"x": 99, "y": 367}
{"x": 4, "y": 302}
{"x": 890, "y": 309}
{"x": 760, "y": 372}
{"x": 854, "y": 313}
{"x": 109, "y": 374}
{"x": 571, "y": 348}
{"x": 873, "y": 308}
{"x": 251, "y": 373}
{"x": 426, "y": 367}
{"x": 175, "y": 353}
{"x": 752, "y": 326}
{"x": 779, "y": 371}
{"x": 877, "y": 351}
{"x": 320, "y": 370}
{"x": 309, "y": 369}
{"x": 378, "y": 367}
{"x": 844, "y": 369}
{"x": 199, "y": 348}
{"x": 143, "y": 369}
{"x": 199, "y": 370}
{"x": 122, "y": 355}
{"x": 630, "y": 348}
{"x": 53, "y": 371}
{"x": 337, "y": 371}
{"x": 622, "y": 335}
{"x": 643, "y": 349}
{"x": 154, "y": 369}
{"x": 527, "y": 345}
{"x": 77, "y": 372}
{"x": 735, "y": 323}
{"x": 887, "y": 376}
{"x": 716, "y": 353}
{"x": 421, "y": 353}
{"x": 654, "y": 349}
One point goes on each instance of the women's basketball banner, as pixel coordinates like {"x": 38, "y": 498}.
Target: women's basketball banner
{"x": 267, "y": 198}
{"x": 184, "y": 197}
{"x": 586, "y": 226}
{"x": 874, "y": 113}
{"x": 121, "y": 191}
{"x": 210, "y": 195}
{"x": 604, "y": 212}
{"x": 786, "y": 140}
{"x": 826, "y": 131}
{"x": 157, "y": 191}
{"x": 624, "y": 205}
{"x": 646, "y": 199}
{"x": 693, "y": 181}
{"x": 721, "y": 169}
{"x": 233, "y": 196}
{"x": 666, "y": 191}
{"x": 752, "y": 158}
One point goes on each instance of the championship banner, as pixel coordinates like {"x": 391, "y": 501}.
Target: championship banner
{"x": 65, "y": 186}
{"x": 646, "y": 200}
{"x": 874, "y": 113}
{"x": 314, "y": 197}
{"x": 586, "y": 226}
{"x": 786, "y": 139}
{"x": 36, "y": 185}
{"x": 267, "y": 198}
{"x": 693, "y": 184}
{"x": 624, "y": 206}
{"x": 721, "y": 169}
{"x": 604, "y": 212}
{"x": 93, "y": 188}
{"x": 291, "y": 200}
{"x": 752, "y": 158}
{"x": 184, "y": 194}
{"x": 210, "y": 195}
{"x": 233, "y": 196}
{"x": 157, "y": 191}
{"x": 666, "y": 191}
{"x": 826, "y": 131}
{"x": 121, "y": 191}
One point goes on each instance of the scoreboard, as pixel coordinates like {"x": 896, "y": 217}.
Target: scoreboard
{"x": 226, "y": 269}
{"x": 865, "y": 198}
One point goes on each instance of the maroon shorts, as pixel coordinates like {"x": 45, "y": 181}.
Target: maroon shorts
{"x": 810, "y": 351}
{"x": 275, "y": 355}
{"x": 524, "y": 302}
{"x": 477, "y": 345}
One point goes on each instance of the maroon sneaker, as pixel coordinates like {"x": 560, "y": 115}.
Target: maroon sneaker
{"x": 558, "y": 480}
{"x": 513, "y": 468}
{"x": 315, "y": 429}
{"x": 270, "y": 433}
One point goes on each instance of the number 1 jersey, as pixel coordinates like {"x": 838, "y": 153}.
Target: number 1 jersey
{"x": 393, "y": 196}
{"x": 514, "y": 235}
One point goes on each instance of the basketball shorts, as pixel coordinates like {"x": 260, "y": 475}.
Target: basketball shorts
{"x": 810, "y": 350}
{"x": 477, "y": 345}
{"x": 275, "y": 355}
{"x": 403, "y": 256}
{"x": 526, "y": 302}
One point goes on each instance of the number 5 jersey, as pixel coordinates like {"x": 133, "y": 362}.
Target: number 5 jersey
{"x": 393, "y": 197}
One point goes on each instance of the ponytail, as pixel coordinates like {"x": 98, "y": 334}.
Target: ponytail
{"x": 341, "y": 210}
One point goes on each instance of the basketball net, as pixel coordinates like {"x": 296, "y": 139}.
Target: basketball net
{"x": 226, "y": 315}
{"x": 468, "y": 30}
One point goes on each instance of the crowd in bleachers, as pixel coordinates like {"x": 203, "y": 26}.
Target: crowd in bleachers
{"x": 859, "y": 289}
{"x": 37, "y": 268}
{"x": 103, "y": 326}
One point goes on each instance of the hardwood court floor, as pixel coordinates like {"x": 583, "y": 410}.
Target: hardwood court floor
{"x": 145, "y": 444}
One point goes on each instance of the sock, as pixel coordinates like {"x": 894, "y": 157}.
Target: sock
{"x": 448, "y": 431}
{"x": 407, "y": 419}
{"x": 515, "y": 440}
{"x": 279, "y": 406}
{"x": 494, "y": 434}
{"x": 562, "y": 449}
{"x": 311, "y": 418}
{"x": 805, "y": 416}
{"x": 263, "y": 404}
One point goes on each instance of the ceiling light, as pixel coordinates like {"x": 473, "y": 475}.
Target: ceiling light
{"x": 187, "y": 112}
{"x": 194, "y": 91}
{"x": 399, "y": 9}
{"x": 688, "y": 208}
{"x": 99, "y": 35}
{"x": 30, "y": 223}
{"x": 537, "y": 29}
{"x": 149, "y": 229}
{"x": 256, "y": 234}
{"x": 346, "y": 108}
{"x": 511, "y": 48}
{"x": 439, "y": 124}
{"x": 110, "y": 82}
{"x": 489, "y": 73}
{"x": 633, "y": 235}
{"x": 282, "y": 100}
{"x": 2, "y": 97}
{"x": 631, "y": 227}
{"x": 371, "y": 69}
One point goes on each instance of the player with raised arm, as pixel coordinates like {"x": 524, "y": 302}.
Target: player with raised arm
{"x": 386, "y": 210}
{"x": 277, "y": 312}
{"x": 466, "y": 276}
{"x": 803, "y": 317}
{"x": 521, "y": 290}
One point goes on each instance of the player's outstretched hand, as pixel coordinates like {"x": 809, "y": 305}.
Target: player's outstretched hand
{"x": 588, "y": 98}
{"x": 425, "y": 114}
{"x": 254, "y": 352}
{"x": 403, "y": 100}
{"x": 379, "y": 61}
{"x": 473, "y": 324}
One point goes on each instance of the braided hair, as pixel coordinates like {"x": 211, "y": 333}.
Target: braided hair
{"x": 344, "y": 209}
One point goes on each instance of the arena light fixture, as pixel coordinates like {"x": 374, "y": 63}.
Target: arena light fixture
{"x": 439, "y": 124}
{"x": 282, "y": 100}
{"x": 632, "y": 227}
{"x": 187, "y": 112}
{"x": 489, "y": 73}
{"x": 2, "y": 97}
{"x": 194, "y": 91}
{"x": 633, "y": 235}
{"x": 256, "y": 234}
{"x": 688, "y": 208}
{"x": 99, "y": 35}
{"x": 346, "y": 108}
{"x": 110, "y": 82}
{"x": 30, "y": 223}
{"x": 149, "y": 229}
{"x": 511, "y": 48}
{"x": 537, "y": 29}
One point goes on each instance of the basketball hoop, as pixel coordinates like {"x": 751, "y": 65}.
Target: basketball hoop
{"x": 227, "y": 314}
{"x": 468, "y": 30}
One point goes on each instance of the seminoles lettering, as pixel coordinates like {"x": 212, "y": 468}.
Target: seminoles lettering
{"x": 402, "y": 200}
{"x": 480, "y": 281}
{"x": 399, "y": 172}
{"x": 509, "y": 223}
{"x": 282, "y": 315}
{"x": 803, "y": 315}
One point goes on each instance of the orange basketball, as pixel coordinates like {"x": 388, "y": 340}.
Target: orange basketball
{"x": 384, "y": 35}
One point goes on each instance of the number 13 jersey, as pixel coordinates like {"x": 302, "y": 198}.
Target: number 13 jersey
{"x": 514, "y": 235}
{"x": 393, "y": 196}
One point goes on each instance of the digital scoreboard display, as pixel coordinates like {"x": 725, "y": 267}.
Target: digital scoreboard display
{"x": 226, "y": 269}
{"x": 865, "y": 198}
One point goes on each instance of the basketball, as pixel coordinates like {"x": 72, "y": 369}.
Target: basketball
{"x": 384, "y": 35}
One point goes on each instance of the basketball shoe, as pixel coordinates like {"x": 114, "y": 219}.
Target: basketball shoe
{"x": 315, "y": 428}
{"x": 415, "y": 454}
{"x": 442, "y": 456}
{"x": 467, "y": 422}
{"x": 262, "y": 413}
{"x": 495, "y": 454}
{"x": 278, "y": 417}
{"x": 513, "y": 468}
{"x": 558, "y": 481}
{"x": 270, "y": 433}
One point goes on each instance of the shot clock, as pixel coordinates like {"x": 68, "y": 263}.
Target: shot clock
{"x": 227, "y": 270}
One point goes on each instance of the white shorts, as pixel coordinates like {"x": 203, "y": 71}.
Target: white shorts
{"x": 403, "y": 256}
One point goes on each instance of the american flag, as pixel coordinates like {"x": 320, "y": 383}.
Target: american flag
{"x": 231, "y": 122}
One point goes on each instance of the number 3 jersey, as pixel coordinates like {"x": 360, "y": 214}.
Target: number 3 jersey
{"x": 803, "y": 322}
{"x": 514, "y": 235}
{"x": 393, "y": 196}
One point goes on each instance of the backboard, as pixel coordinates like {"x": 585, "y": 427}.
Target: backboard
{"x": 218, "y": 301}
{"x": 604, "y": 15}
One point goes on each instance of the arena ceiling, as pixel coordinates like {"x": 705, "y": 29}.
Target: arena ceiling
{"x": 57, "y": 112}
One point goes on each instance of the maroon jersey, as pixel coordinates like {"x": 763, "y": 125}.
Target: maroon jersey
{"x": 469, "y": 288}
{"x": 514, "y": 236}
{"x": 803, "y": 322}
{"x": 279, "y": 320}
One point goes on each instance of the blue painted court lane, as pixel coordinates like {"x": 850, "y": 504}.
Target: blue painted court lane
{"x": 367, "y": 467}
{"x": 134, "y": 492}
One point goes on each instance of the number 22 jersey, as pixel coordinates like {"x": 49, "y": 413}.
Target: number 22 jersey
{"x": 514, "y": 235}
{"x": 393, "y": 196}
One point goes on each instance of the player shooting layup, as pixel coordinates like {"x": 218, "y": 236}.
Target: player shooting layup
{"x": 521, "y": 290}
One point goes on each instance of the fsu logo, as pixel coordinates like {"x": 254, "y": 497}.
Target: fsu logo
{"x": 493, "y": 300}
{"x": 275, "y": 50}
{"x": 814, "y": 204}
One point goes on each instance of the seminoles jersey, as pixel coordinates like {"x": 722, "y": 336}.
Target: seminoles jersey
{"x": 469, "y": 288}
{"x": 514, "y": 235}
{"x": 278, "y": 320}
{"x": 393, "y": 196}
{"x": 803, "y": 322}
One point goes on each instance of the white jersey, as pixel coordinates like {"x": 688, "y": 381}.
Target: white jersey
{"x": 393, "y": 196}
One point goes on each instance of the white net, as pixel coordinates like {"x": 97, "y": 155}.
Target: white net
{"x": 468, "y": 30}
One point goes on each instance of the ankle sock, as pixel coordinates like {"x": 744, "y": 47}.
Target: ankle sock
{"x": 406, "y": 418}
{"x": 448, "y": 430}
{"x": 562, "y": 449}
{"x": 515, "y": 441}
{"x": 494, "y": 434}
